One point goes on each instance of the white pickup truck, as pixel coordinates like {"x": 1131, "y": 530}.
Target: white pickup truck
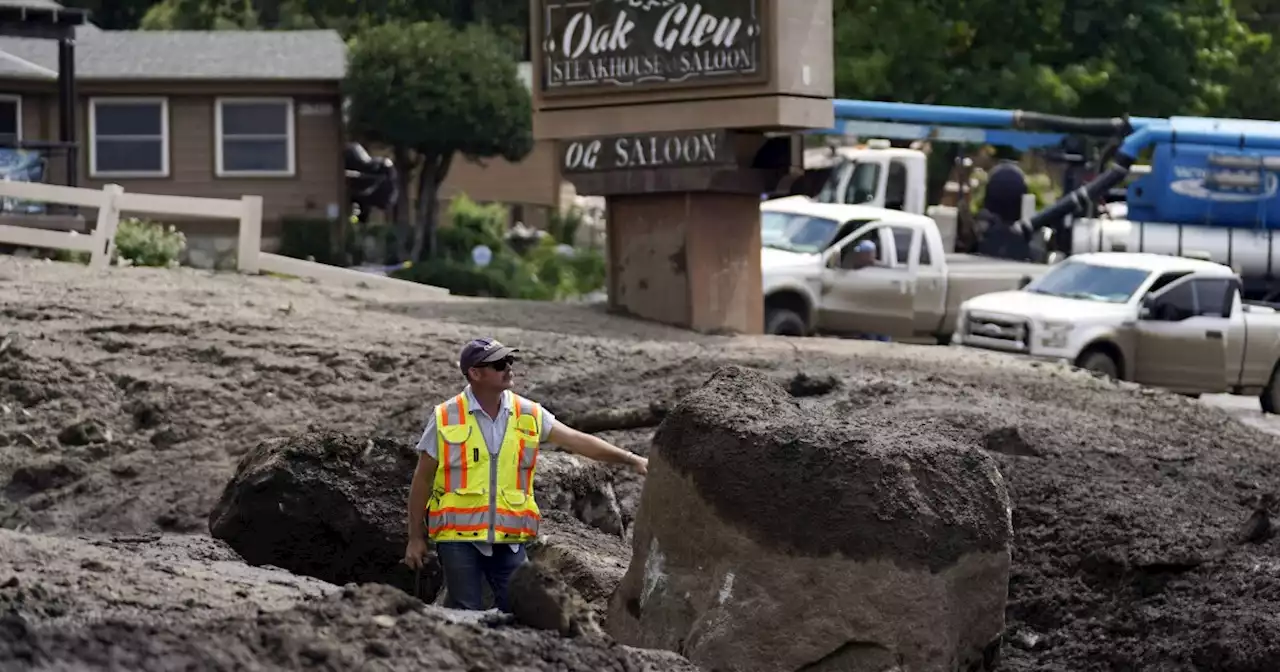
{"x": 1158, "y": 320}
{"x": 813, "y": 285}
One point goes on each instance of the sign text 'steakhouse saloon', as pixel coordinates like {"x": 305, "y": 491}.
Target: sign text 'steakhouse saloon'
{"x": 602, "y": 45}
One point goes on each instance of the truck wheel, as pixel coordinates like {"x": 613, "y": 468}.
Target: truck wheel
{"x": 1270, "y": 397}
{"x": 784, "y": 322}
{"x": 1099, "y": 362}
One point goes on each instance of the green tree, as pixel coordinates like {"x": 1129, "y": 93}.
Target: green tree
{"x": 113, "y": 14}
{"x": 431, "y": 92}
{"x": 1088, "y": 57}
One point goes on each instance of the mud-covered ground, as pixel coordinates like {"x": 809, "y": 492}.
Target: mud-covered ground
{"x": 1142, "y": 539}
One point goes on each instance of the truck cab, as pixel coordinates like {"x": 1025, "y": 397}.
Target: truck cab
{"x": 1164, "y": 321}
{"x": 813, "y": 283}
{"x": 878, "y": 176}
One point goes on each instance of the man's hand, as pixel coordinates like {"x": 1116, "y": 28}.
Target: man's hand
{"x": 641, "y": 465}
{"x": 416, "y": 552}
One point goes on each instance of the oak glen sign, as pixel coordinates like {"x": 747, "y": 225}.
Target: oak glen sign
{"x": 645, "y": 151}
{"x": 593, "y": 44}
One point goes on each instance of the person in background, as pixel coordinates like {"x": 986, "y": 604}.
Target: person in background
{"x": 472, "y": 491}
{"x": 864, "y": 256}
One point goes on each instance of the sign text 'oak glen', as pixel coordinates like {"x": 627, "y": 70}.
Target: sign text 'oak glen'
{"x": 590, "y": 45}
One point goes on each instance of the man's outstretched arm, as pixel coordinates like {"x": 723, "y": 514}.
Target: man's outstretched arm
{"x": 595, "y": 448}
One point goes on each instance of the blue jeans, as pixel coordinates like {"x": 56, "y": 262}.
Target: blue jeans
{"x": 465, "y": 567}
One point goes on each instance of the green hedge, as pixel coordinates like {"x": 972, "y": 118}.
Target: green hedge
{"x": 541, "y": 273}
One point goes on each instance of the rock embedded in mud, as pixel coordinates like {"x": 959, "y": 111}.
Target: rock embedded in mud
{"x": 84, "y": 433}
{"x": 541, "y": 600}
{"x": 586, "y": 559}
{"x": 326, "y": 505}
{"x": 1009, "y": 441}
{"x": 770, "y": 538}
{"x": 45, "y": 474}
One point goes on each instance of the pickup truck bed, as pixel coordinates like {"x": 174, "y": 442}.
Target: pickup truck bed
{"x": 977, "y": 263}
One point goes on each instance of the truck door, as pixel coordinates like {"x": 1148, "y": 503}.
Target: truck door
{"x": 873, "y": 300}
{"x": 861, "y": 183}
{"x": 1182, "y": 336}
{"x": 896, "y": 185}
{"x": 927, "y": 280}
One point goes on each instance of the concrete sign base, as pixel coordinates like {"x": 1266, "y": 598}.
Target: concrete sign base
{"x": 688, "y": 259}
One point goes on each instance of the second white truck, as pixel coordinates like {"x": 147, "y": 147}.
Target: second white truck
{"x": 1164, "y": 321}
{"x": 815, "y": 284}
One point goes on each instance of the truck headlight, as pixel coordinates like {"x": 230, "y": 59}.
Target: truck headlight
{"x": 1055, "y": 335}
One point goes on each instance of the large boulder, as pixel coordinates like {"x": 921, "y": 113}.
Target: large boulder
{"x": 326, "y": 505}
{"x": 332, "y": 506}
{"x": 771, "y": 537}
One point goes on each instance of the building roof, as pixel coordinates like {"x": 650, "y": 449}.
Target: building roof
{"x": 43, "y": 4}
{"x": 115, "y": 55}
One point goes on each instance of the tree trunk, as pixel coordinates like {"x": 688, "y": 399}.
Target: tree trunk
{"x": 434, "y": 170}
{"x": 403, "y": 216}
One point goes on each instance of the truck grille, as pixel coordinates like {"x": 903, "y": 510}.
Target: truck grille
{"x": 997, "y": 332}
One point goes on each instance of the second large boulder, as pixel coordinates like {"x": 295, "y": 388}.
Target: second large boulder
{"x": 771, "y": 537}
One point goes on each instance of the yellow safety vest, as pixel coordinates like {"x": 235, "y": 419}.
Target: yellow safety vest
{"x": 464, "y": 506}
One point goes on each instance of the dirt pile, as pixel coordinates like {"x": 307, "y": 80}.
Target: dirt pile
{"x": 324, "y": 505}
{"x": 332, "y": 506}
{"x": 1141, "y": 519}
{"x": 877, "y": 547}
{"x": 111, "y": 607}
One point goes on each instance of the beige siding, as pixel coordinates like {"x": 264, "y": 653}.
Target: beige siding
{"x": 533, "y": 181}
{"x": 318, "y": 182}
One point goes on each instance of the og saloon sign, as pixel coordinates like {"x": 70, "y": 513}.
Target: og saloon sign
{"x": 657, "y": 150}
{"x": 601, "y": 45}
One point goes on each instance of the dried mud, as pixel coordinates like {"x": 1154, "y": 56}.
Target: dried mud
{"x": 1142, "y": 519}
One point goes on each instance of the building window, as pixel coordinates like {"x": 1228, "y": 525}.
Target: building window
{"x": 10, "y": 120}
{"x": 129, "y": 137}
{"x": 255, "y": 137}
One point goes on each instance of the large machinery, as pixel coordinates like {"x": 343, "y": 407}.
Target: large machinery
{"x": 1211, "y": 192}
{"x": 1187, "y": 186}
{"x": 1073, "y": 142}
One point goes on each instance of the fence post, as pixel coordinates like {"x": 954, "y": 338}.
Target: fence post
{"x": 250, "y": 239}
{"x": 104, "y": 232}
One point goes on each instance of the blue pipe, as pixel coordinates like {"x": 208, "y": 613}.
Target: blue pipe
{"x": 982, "y": 116}
{"x": 926, "y": 114}
{"x": 1165, "y": 132}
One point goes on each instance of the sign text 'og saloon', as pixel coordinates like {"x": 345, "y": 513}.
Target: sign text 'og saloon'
{"x": 659, "y": 150}
{"x": 611, "y": 44}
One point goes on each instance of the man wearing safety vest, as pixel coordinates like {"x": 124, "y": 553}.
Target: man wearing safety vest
{"x": 477, "y": 458}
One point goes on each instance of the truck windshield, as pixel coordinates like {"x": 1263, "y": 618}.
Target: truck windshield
{"x": 796, "y": 233}
{"x": 1078, "y": 280}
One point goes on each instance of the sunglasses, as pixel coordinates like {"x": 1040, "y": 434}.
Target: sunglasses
{"x": 500, "y": 365}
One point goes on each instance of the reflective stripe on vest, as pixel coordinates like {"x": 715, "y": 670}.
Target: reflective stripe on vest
{"x": 463, "y": 507}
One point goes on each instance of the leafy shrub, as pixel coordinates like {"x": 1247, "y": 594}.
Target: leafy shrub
{"x": 307, "y": 238}
{"x": 564, "y": 226}
{"x": 541, "y": 273}
{"x": 468, "y": 224}
{"x": 140, "y": 242}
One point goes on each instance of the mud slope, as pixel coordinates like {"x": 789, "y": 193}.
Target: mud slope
{"x": 1137, "y": 514}
{"x": 184, "y": 602}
